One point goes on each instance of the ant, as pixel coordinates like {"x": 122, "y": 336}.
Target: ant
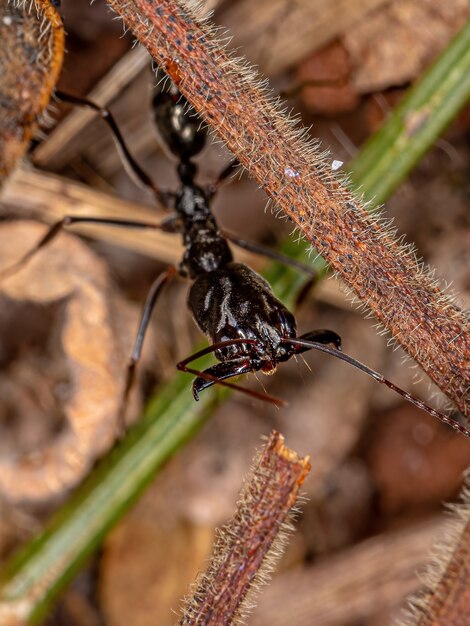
{"x": 250, "y": 330}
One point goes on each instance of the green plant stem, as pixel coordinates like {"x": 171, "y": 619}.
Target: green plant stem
{"x": 426, "y": 111}
{"x": 36, "y": 577}
{"x": 391, "y": 153}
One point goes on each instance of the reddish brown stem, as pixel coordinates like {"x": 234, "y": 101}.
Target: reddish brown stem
{"x": 32, "y": 38}
{"x": 243, "y": 544}
{"x": 445, "y": 601}
{"x": 449, "y": 602}
{"x": 298, "y": 178}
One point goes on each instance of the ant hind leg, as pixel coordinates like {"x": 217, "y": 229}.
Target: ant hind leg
{"x": 163, "y": 197}
{"x": 152, "y": 297}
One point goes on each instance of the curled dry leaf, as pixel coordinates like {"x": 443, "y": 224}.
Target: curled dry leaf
{"x": 69, "y": 281}
{"x": 32, "y": 38}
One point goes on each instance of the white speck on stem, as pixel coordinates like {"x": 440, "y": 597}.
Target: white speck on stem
{"x": 336, "y": 165}
{"x": 291, "y": 173}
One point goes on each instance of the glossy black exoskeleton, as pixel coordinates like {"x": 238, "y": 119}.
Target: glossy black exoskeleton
{"x": 248, "y": 326}
{"x": 228, "y": 300}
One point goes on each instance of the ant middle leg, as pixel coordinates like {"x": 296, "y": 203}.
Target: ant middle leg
{"x": 228, "y": 170}
{"x": 271, "y": 254}
{"x": 252, "y": 246}
{"x": 169, "y": 225}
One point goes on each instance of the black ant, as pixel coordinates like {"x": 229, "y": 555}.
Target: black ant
{"x": 249, "y": 328}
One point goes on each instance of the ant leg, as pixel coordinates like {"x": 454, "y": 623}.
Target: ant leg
{"x": 249, "y": 245}
{"x": 321, "y": 336}
{"x": 304, "y": 291}
{"x": 163, "y": 197}
{"x": 222, "y": 177}
{"x": 221, "y": 371}
{"x": 218, "y": 372}
{"x": 170, "y": 224}
{"x": 149, "y": 305}
{"x": 303, "y": 344}
{"x": 270, "y": 254}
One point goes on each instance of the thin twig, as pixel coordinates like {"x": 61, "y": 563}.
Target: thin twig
{"x": 246, "y": 548}
{"x": 298, "y": 177}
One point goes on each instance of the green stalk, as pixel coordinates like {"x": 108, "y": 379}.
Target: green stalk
{"x": 426, "y": 111}
{"x": 389, "y": 155}
{"x": 37, "y": 575}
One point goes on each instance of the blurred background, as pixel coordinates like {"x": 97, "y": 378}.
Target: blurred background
{"x": 381, "y": 468}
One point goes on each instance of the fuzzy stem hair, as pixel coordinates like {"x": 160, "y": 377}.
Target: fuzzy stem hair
{"x": 445, "y": 599}
{"x": 362, "y": 248}
{"x": 246, "y": 548}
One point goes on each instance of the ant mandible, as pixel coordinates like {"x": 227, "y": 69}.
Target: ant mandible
{"x": 249, "y": 328}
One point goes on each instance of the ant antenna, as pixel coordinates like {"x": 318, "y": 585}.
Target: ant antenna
{"x": 305, "y": 343}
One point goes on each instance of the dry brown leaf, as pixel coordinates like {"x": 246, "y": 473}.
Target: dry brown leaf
{"x": 414, "y": 462}
{"x": 331, "y": 68}
{"x": 70, "y": 284}
{"x": 393, "y": 44}
{"x": 352, "y": 586}
{"x": 32, "y": 38}
{"x": 160, "y": 562}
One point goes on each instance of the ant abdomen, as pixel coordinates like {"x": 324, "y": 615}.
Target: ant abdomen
{"x": 180, "y": 130}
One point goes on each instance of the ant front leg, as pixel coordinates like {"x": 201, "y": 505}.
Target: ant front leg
{"x": 169, "y": 224}
{"x": 218, "y": 374}
{"x": 320, "y": 336}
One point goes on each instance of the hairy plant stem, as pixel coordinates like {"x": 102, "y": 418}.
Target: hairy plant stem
{"x": 247, "y": 547}
{"x": 445, "y": 599}
{"x": 297, "y": 176}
